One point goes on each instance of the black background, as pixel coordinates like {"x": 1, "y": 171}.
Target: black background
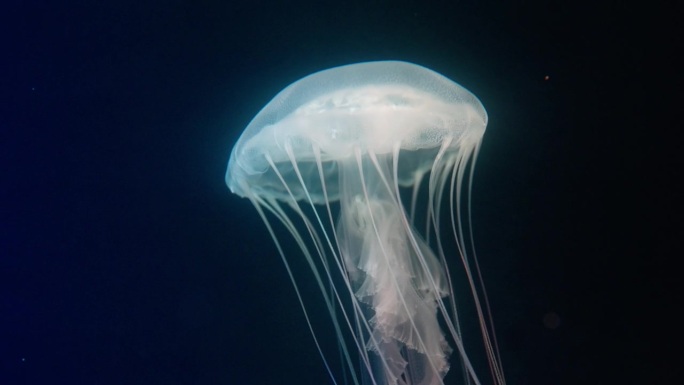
{"x": 124, "y": 259}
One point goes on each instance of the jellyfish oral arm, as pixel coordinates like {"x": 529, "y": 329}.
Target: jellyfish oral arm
{"x": 399, "y": 304}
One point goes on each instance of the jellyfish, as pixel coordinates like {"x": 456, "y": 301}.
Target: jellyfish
{"x": 357, "y": 163}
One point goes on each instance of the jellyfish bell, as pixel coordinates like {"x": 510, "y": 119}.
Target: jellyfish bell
{"x": 339, "y": 158}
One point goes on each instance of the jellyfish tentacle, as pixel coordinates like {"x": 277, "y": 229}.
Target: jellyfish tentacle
{"x": 456, "y": 335}
{"x": 259, "y": 204}
{"x": 336, "y": 258}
